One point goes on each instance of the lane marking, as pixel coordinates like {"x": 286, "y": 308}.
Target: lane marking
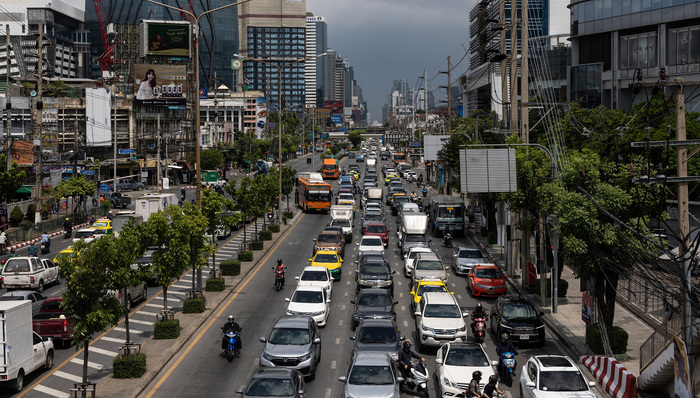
{"x": 90, "y": 364}
{"x": 340, "y": 322}
{"x": 337, "y": 342}
{"x": 141, "y": 322}
{"x": 405, "y": 324}
{"x": 400, "y": 294}
{"x": 403, "y": 308}
{"x": 328, "y": 393}
{"x": 68, "y": 376}
{"x": 131, "y": 330}
{"x": 51, "y": 391}
{"x": 112, "y": 339}
{"x": 101, "y": 352}
{"x": 333, "y": 364}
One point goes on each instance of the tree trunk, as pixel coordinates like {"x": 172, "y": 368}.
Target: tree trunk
{"x": 85, "y": 362}
{"x": 165, "y": 298}
{"x": 605, "y": 292}
{"x": 194, "y": 277}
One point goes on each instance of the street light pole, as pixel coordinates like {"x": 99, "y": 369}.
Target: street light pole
{"x": 195, "y": 39}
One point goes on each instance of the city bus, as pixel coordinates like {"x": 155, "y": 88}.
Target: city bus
{"x": 399, "y": 157}
{"x": 314, "y": 195}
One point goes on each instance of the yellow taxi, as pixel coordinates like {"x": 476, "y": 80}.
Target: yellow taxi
{"x": 65, "y": 254}
{"x": 389, "y": 177}
{"x": 355, "y": 174}
{"x": 330, "y": 260}
{"x": 423, "y": 286}
{"x": 105, "y": 225}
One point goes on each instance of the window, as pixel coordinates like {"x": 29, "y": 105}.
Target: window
{"x": 638, "y": 51}
{"x": 684, "y": 47}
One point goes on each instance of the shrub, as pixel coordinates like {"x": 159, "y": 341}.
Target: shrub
{"x": 130, "y": 366}
{"x": 287, "y": 214}
{"x": 16, "y": 216}
{"x": 274, "y": 228}
{"x": 164, "y": 330}
{"x": 266, "y": 235}
{"x": 491, "y": 237}
{"x": 230, "y": 267}
{"x": 215, "y": 285}
{"x": 617, "y": 336}
{"x": 245, "y": 256}
{"x": 194, "y": 305}
{"x": 562, "y": 288}
{"x": 257, "y": 245}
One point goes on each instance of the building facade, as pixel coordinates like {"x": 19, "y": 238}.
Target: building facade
{"x": 315, "y": 74}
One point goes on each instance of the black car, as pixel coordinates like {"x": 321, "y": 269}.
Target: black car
{"x": 275, "y": 382}
{"x": 377, "y": 335}
{"x": 370, "y": 254}
{"x": 373, "y": 304}
{"x": 375, "y": 274}
{"x": 516, "y": 315}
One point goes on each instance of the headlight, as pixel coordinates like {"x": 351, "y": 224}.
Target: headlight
{"x": 291, "y": 312}
{"x": 304, "y": 357}
{"x": 449, "y": 382}
{"x": 316, "y": 313}
{"x": 462, "y": 329}
{"x": 267, "y": 356}
{"x": 383, "y": 283}
{"x": 427, "y": 329}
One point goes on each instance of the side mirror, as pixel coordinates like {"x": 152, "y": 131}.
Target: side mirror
{"x": 465, "y": 314}
{"x": 287, "y": 299}
{"x": 494, "y": 363}
{"x": 263, "y": 340}
{"x": 438, "y": 361}
{"x": 396, "y": 302}
{"x": 417, "y": 313}
{"x": 328, "y": 300}
{"x": 314, "y": 240}
{"x": 530, "y": 384}
{"x": 317, "y": 340}
{"x": 352, "y": 338}
{"x": 311, "y": 259}
{"x": 301, "y": 392}
{"x": 400, "y": 379}
{"x": 591, "y": 383}
{"x": 393, "y": 272}
{"x": 342, "y": 378}
{"x": 540, "y": 314}
{"x": 353, "y": 302}
{"x": 239, "y": 391}
{"x": 402, "y": 338}
{"x": 296, "y": 277}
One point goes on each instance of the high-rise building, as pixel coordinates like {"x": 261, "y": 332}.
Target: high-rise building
{"x": 316, "y": 43}
{"x": 275, "y": 32}
{"x": 335, "y": 77}
{"x": 218, "y": 35}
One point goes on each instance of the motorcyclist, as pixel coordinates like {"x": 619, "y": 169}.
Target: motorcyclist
{"x": 183, "y": 192}
{"x": 425, "y": 190}
{"x": 67, "y": 225}
{"x": 445, "y": 233}
{"x": 490, "y": 388}
{"x": 32, "y": 250}
{"x": 231, "y": 325}
{"x": 504, "y": 345}
{"x": 405, "y": 356}
{"x": 3, "y": 241}
{"x": 92, "y": 220}
{"x": 473, "y": 389}
{"x": 280, "y": 269}
{"x": 420, "y": 179}
{"x": 478, "y": 312}
{"x": 414, "y": 197}
{"x": 45, "y": 238}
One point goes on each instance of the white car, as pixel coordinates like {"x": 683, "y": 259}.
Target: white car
{"x": 410, "y": 256}
{"x": 316, "y": 276}
{"x": 88, "y": 234}
{"x": 455, "y": 363}
{"x": 553, "y": 375}
{"x": 439, "y": 320}
{"x": 312, "y": 301}
{"x": 370, "y": 243}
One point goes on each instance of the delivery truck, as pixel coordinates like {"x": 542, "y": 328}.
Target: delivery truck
{"x": 21, "y": 350}
{"x": 149, "y": 204}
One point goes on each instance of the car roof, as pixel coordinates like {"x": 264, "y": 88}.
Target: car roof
{"x": 314, "y": 268}
{"x": 310, "y": 288}
{"x": 515, "y": 298}
{"x": 325, "y": 252}
{"x": 375, "y": 223}
{"x": 293, "y": 321}
{"x": 18, "y": 293}
{"x": 470, "y": 248}
{"x": 485, "y": 265}
{"x": 276, "y": 373}
{"x": 439, "y": 298}
{"x": 371, "y": 358}
{"x": 370, "y": 238}
{"x": 556, "y": 362}
{"x": 431, "y": 281}
{"x": 376, "y": 322}
{"x": 369, "y": 290}
{"x": 87, "y": 229}
{"x": 428, "y": 256}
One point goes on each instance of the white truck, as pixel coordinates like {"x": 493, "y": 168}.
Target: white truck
{"x": 412, "y": 232}
{"x": 149, "y": 204}
{"x": 21, "y": 350}
{"x": 342, "y": 215}
{"x": 372, "y": 195}
{"x": 371, "y": 163}
{"x": 29, "y": 273}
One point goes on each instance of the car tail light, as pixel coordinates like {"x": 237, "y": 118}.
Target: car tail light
{"x": 2, "y": 280}
{"x": 65, "y": 326}
{"x": 31, "y": 280}
{"x": 119, "y": 295}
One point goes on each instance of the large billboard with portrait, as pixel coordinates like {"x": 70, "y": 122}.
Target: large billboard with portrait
{"x": 166, "y": 39}
{"x": 160, "y": 84}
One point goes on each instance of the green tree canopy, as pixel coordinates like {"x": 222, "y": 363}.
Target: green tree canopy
{"x": 75, "y": 186}
{"x": 355, "y": 137}
{"x": 10, "y": 180}
{"x": 210, "y": 158}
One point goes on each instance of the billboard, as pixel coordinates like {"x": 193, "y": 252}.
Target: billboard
{"x": 97, "y": 122}
{"x": 260, "y": 116}
{"x": 168, "y": 39}
{"x": 160, "y": 84}
{"x": 23, "y": 152}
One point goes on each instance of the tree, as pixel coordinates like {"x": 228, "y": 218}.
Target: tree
{"x": 244, "y": 198}
{"x": 212, "y": 205}
{"x": 288, "y": 178}
{"x": 72, "y": 187}
{"x": 266, "y": 189}
{"x": 88, "y": 276}
{"x": 210, "y": 159}
{"x": 355, "y": 137}
{"x": 10, "y": 180}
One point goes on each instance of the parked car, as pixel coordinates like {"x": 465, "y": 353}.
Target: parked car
{"x": 379, "y": 335}
{"x": 553, "y": 375}
{"x": 371, "y": 375}
{"x": 30, "y": 295}
{"x": 316, "y": 276}
{"x": 283, "y": 383}
{"x": 294, "y": 342}
{"x": 29, "y": 273}
{"x": 454, "y": 365}
{"x": 516, "y": 315}
{"x": 486, "y": 280}
{"x": 463, "y": 258}
{"x": 130, "y": 185}
{"x": 373, "y": 304}
{"x": 310, "y": 301}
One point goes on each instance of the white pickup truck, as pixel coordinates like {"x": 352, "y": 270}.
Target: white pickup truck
{"x": 29, "y": 273}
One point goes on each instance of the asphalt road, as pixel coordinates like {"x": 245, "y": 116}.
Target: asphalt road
{"x": 204, "y": 372}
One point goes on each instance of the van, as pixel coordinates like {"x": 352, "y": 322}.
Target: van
{"x": 371, "y": 195}
{"x": 412, "y": 231}
{"x": 149, "y": 204}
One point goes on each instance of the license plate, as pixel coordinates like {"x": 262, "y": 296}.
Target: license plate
{"x": 524, "y": 337}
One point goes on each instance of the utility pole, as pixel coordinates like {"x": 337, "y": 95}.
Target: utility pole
{"x": 524, "y": 122}
{"x": 216, "y": 109}
{"x": 513, "y": 65}
{"x": 38, "y": 125}
{"x": 8, "y": 104}
{"x": 504, "y": 61}
{"x": 449, "y": 95}
{"x": 158, "y": 166}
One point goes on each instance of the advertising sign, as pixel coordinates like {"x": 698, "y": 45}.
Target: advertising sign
{"x": 587, "y": 308}
{"x": 160, "y": 84}
{"x": 22, "y": 152}
{"x": 97, "y": 117}
{"x": 170, "y": 39}
{"x": 681, "y": 370}
{"x": 203, "y": 93}
{"x": 338, "y": 119}
{"x": 260, "y": 116}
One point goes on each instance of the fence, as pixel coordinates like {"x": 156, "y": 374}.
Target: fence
{"x": 638, "y": 291}
{"x": 54, "y": 222}
{"x": 657, "y": 342}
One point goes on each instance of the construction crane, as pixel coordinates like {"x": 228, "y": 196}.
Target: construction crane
{"x": 106, "y": 59}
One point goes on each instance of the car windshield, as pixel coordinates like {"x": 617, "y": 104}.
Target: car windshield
{"x": 376, "y": 228}
{"x": 518, "y": 310}
{"x": 470, "y": 254}
{"x": 84, "y": 234}
{"x": 377, "y": 335}
{"x": 400, "y": 199}
{"x": 428, "y": 265}
{"x": 412, "y": 254}
{"x": 375, "y": 375}
{"x": 270, "y": 388}
{"x": 442, "y": 311}
{"x": 340, "y": 223}
{"x": 12, "y": 298}
{"x": 292, "y": 336}
{"x": 450, "y": 212}
{"x": 305, "y": 296}
{"x": 562, "y": 381}
{"x": 375, "y": 268}
{"x": 61, "y": 256}
{"x": 326, "y": 258}
{"x": 346, "y": 196}
{"x": 415, "y": 238}
{"x": 371, "y": 242}
{"x": 328, "y": 238}
{"x": 314, "y": 276}
{"x": 319, "y": 196}
{"x": 17, "y": 265}
{"x": 430, "y": 288}
{"x": 488, "y": 273}
{"x": 100, "y": 224}
{"x": 460, "y": 356}
{"x": 374, "y": 300}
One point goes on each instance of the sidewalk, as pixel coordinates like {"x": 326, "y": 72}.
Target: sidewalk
{"x": 567, "y": 323}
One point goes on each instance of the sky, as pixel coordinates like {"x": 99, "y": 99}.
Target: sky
{"x": 387, "y": 40}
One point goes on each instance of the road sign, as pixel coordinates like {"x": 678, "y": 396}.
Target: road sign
{"x": 337, "y": 118}
{"x": 89, "y": 172}
{"x": 203, "y": 93}
{"x": 235, "y": 64}
{"x": 104, "y": 188}
{"x": 415, "y": 144}
{"x": 126, "y": 151}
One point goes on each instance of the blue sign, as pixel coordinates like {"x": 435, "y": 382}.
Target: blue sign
{"x": 126, "y": 151}
{"x": 343, "y": 130}
{"x": 151, "y": 146}
{"x": 89, "y": 172}
{"x": 415, "y": 144}
{"x": 337, "y": 118}
{"x": 104, "y": 188}
{"x": 203, "y": 93}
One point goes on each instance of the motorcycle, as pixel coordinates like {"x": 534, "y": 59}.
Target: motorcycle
{"x": 44, "y": 247}
{"x": 231, "y": 347}
{"x": 479, "y": 329}
{"x": 417, "y": 379}
{"x": 447, "y": 240}
{"x": 414, "y": 198}
{"x": 68, "y": 233}
{"x": 507, "y": 367}
{"x": 425, "y": 192}
{"x": 279, "y": 279}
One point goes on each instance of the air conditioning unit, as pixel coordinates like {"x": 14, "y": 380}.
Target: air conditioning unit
{"x": 90, "y": 160}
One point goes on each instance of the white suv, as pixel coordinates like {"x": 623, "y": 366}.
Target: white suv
{"x": 439, "y": 319}
{"x": 553, "y": 375}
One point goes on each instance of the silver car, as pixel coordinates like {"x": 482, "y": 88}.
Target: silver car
{"x": 464, "y": 258}
{"x": 371, "y": 375}
{"x": 295, "y": 343}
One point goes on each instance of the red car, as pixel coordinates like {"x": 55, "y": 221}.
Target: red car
{"x": 380, "y": 230}
{"x": 486, "y": 280}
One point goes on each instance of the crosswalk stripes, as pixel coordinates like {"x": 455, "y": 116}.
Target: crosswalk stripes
{"x": 90, "y": 364}
{"x": 51, "y": 391}
{"x": 112, "y": 339}
{"x": 68, "y": 376}
{"x": 131, "y": 330}
{"x": 102, "y": 351}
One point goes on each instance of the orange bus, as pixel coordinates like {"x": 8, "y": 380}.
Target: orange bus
{"x": 314, "y": 195}
{"x": 331, "y": 170}
{"x": 399, "y": 157}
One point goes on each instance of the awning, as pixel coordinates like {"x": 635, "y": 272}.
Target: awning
{"x": 24, "y": 190}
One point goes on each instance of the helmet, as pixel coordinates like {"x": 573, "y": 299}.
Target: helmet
{"x": 505, "y": 337}
{"x": 230, "y": 318}
{"x": 493, "y": 379}
{"x": 279, "y": 261}
{"x": 476, "y": 375}
{"x": 479, "y": 307}
{"x": 406, "y": 345}
{"x": 67, "y": 219}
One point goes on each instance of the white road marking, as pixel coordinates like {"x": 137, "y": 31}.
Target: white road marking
{"x": 405, "y": 324}
{"x": 400, "y": 283}
{"x": 180, "y": 286}
{"x": 400, "y": 294}
{"x": 347, "y": 283}
{"x": 160, "y": 306}
{"x": 102, "y": 352}
{"x": 92, "y": 365}
{"x": 337, "y": 342}
{"x": 403, "y": 308}
{"x": 333, "y": 364}
{"x": 342, "y": 307}
{"x": 340, "y": 322}
{"x": 51, "y": 391}
{"x": 146, "y": 313}
{"x": 68, "y": 376}
{"x": 111, "y": 339}
{"x": 140, "y": 322}
{"x": 131, "y": 330}
{"x": 459, "y": 296}
{"x": 328, "y": 393}
{"x": 346, "y": 294}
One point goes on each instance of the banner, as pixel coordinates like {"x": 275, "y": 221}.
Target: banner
{"x": 166, "y": 38}
{"x": 681, "y": 380}
{"x": 160, "y": 84}
{"x": 260, "y": 116}
{"x": 97, "y": 117}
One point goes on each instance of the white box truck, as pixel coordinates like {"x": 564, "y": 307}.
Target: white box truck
{"x": 21, "y": 350}
{"x": 149, "y": 204}
{"x": 371, "y": 163}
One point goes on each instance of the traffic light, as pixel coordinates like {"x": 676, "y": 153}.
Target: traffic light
{"x": 308, "y": 161}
